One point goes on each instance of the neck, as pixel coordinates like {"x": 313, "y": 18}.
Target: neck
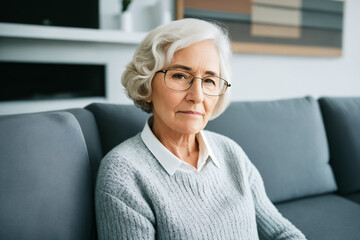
{"x": 183, "y": 146}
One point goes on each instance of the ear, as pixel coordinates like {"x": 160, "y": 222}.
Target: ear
{"x": 148, "y": 100}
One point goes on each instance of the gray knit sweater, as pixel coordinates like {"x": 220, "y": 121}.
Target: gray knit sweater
{"x": 137, "y": 199}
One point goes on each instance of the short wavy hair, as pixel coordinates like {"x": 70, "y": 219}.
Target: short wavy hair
{"x": 156, "y": 51}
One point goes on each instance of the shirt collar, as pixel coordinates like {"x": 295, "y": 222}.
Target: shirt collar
{"x": 167, "y": 159}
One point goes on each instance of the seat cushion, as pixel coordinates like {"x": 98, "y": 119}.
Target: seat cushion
{"x": 45, "y": 182}
{"x": 286, "y": 141}
{"x": 342, "y": 122}
{"x": 117, "y": 123}
{"x": 324, "y": 217}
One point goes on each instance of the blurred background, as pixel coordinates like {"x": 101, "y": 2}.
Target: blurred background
{"x": 66, "y": 54}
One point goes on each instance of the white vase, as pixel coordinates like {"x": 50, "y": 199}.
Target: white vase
{"x": 126, "y": 21}
{"x": 166, "y": 16}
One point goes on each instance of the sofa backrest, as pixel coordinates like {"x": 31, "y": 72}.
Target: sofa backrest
{"x": 45, "y": 179}
{"x": 91, "y": 135}
{"x": 342, "y": 121}
{"x": 117, "y": 123}
{"x": 286, "y": 141}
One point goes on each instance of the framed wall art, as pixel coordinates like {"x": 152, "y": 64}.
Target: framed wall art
{"x": 290, "y": 27}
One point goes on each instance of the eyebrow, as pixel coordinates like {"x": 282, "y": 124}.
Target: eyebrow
{"x": 211, "y": 73}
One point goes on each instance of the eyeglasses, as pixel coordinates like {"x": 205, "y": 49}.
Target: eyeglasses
{"x": 182, "y": 81}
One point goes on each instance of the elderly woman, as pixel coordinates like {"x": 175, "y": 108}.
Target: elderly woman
{"x": 174, "y": 180}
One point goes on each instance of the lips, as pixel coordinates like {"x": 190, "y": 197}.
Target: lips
{"x": 191, "y": 112}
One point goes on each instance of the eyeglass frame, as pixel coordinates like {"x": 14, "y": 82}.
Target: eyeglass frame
{"x": 227, "y": 85}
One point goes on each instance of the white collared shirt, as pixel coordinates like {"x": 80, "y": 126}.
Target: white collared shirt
{"x": 169, "y": 161}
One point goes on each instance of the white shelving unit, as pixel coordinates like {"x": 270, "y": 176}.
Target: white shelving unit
{"x": 36, "y": 43}
{"x": 28, "y": 31}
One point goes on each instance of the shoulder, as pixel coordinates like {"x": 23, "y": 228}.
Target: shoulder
{"x": 128, "y": 145}
{"x": 124, "y": 164}
{"x": 227, "y": 151}
{"x": 127, "y": 151}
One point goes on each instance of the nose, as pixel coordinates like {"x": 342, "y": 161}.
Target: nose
{"x": 195, "y": 92}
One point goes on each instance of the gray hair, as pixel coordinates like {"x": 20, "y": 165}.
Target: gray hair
{"x": 157, "y": 50}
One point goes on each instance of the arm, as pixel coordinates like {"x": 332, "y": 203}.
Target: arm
{"x": 117, "y": 219}
{"x": 270, "y": 222}
{"x": 122, "y": 209}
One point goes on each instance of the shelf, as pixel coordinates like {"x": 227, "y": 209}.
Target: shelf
{"x": 30, "y": 106}
{"x": 14, "y": 30}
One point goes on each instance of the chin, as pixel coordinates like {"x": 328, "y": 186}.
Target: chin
{"x": 190, "y": 128}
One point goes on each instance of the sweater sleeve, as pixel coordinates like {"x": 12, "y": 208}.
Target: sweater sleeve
{"x": 271, "y": 223}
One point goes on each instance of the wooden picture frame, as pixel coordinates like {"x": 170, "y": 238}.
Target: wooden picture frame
{"x": 286, "y": 27}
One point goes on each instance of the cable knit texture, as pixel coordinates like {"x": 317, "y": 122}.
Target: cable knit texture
{"x": 137, "y": 199}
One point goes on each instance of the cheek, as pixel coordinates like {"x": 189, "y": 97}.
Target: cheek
{"x": 165, "y": 101}
{"x": 211, "y": 104}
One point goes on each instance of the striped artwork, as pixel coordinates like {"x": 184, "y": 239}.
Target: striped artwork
{"x": 290, "y": 27}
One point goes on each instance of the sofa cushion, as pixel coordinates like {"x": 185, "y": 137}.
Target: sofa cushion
{"x": 342, "y": 122}
{"x": 324, "y": 217}
{"x": 117, "y": 123}
{"x": 286, "y": 141}
{"x": 45, "y": 182}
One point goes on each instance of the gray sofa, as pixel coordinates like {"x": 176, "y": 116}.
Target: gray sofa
{"x": 307, "y": 151}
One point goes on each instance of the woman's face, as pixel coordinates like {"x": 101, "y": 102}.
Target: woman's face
{"x": 186, "y": 112}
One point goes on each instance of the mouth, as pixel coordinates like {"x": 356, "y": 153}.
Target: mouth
{"x": 191, "y": 113}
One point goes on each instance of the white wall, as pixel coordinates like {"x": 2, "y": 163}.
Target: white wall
{"x": 263, "y": 77}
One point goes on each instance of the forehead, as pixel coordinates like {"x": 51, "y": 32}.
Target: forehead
{"x": 201, "y": 56}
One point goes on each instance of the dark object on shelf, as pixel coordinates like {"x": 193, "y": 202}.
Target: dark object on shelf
{"x": 40, "y": 81}
{"x": 67, "y": 13}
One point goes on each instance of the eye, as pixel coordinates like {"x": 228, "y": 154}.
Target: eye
{"x": 210, "y": 81}
{"x": 179, "y": 76}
